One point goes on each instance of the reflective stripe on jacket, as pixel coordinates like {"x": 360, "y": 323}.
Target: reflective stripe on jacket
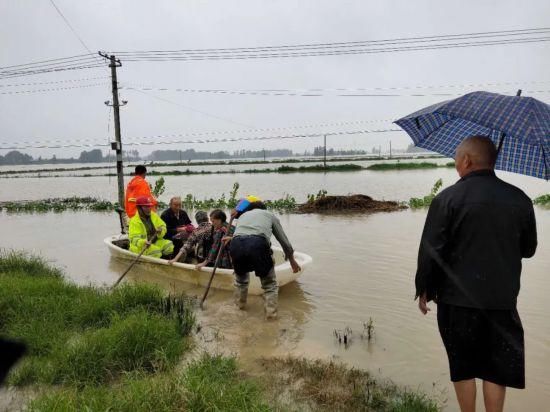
{"x": 138, "y": 231}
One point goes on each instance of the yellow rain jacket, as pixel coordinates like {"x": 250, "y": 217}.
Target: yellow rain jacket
{"x": 138, "y": 237}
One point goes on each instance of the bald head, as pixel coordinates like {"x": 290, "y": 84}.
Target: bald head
{"x": 475, "y": 153}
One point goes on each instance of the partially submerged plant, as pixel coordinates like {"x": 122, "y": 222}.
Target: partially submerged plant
{"x": 343, "y": 336}
{"x": 368, "y": 330}
{"x": 416, "y": 202}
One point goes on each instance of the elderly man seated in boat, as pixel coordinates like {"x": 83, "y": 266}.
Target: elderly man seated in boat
{"x": 147, "y": 231}
{"x": 178, "y": 224}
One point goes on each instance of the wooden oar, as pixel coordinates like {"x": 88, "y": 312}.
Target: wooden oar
{"x": 153, "y": 239}
{"x": 218, "y": 257}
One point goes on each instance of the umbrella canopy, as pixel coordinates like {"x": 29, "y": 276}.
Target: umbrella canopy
{"x": 519, "y": 126}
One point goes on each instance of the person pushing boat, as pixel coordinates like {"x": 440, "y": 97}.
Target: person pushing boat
{"x": 250, "y": 250}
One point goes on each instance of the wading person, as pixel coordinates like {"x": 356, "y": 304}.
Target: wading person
{"x": 177, "y": 223}
{"x": 476, "y": 234}
{"x": 137, "y": 187}
{"x": 250, "y": 251}
{"x": 220, "y": 229}
{"x": 144, "y": 226}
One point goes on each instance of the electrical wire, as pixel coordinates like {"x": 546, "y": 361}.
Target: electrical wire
{"x": 214, "y": 133}
{"x": 330, "y": 53}
{"x": 440, "y": 38}
{"x": 51, "y": 70}
{"x": 304, "y": 94}
{"x": 55, "y": 82}
{"x": 192, "y": 109}
{"x": 57, "y": 89}
{"x": 204, "y": 141}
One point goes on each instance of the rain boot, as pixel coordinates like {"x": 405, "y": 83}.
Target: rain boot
{"x": 271, "y": 295}
{"x": 240, "y": 295}
{"x": 270, "y": 305}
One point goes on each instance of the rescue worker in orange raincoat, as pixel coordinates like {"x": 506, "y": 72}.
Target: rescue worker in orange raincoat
{"x": 137, "y": 187}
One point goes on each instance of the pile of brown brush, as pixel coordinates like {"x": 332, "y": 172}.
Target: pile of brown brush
{"x": 350, "y": 203}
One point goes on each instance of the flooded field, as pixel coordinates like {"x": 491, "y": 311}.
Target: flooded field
{"x": 363, "y": 268}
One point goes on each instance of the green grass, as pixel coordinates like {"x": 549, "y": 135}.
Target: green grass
{"x": 212, "y": 383}
{"x": 85, "y": 335}
{"x": 408, "y": 166}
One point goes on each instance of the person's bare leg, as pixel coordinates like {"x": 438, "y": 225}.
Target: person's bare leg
{"x": 466, "y": 395}
{"x": 493, "y": 396}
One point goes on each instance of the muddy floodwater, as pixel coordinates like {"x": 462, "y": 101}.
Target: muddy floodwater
{"x": 363, "y": 267}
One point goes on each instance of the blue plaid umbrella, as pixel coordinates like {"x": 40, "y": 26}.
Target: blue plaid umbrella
{"x": 519, "y": 127}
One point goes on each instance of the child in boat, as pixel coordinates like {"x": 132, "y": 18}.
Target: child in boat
{"x": 220, "y": 228}
{"x": 199, "y": 242}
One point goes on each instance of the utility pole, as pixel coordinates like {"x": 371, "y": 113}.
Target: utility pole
{"x": 390, "y": 149}
{"x": 325, "y": 153}
{"x": 117, "y": 144}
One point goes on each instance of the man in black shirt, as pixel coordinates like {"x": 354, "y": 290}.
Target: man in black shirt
{"x": 176, "y": 220}
{"x": 476, "y": 234}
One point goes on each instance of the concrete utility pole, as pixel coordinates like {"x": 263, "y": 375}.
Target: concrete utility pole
{"x": 117, "y": 144}
{"x": 390, "y": 149}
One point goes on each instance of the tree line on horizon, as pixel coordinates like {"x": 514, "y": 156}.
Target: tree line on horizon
{"x": 16, "y": 157}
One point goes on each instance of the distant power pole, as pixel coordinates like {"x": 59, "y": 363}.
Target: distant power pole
{"x": 390, "y": 149}
{"x": 325, "y": 153}
{"x": 117, "y": 144}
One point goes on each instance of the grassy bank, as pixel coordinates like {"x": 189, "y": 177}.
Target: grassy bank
{"x": 319, "y": 168}
{"x": 96, "y": 350}
{"x": 408, "y": 166}
{"x": 218, "y": 163}
{"x": 84, "y": 335}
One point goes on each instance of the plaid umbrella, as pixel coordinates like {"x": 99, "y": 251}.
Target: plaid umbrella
{"x": 519, "y": 126}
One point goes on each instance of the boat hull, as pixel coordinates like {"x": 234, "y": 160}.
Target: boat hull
{"x": 224, "y": 278}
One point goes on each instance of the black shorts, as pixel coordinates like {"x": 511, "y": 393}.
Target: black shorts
{"x": 251, "y": 254}
{"x": 484, "y": 344}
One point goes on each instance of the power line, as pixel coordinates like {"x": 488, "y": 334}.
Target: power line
{"x": 55, "y": 82}
{"x": 191, "y": 109}
{"x": 447, "y": 37}
{"x": 72, "y": 28}
{"x": 204, "y": 141}
{"x": 50, "y": 70}
{"x": 214, "y": 133}
{"x": 305, "y": 90}
{"x": 56, "y": 89}
{"x": 58, "y": 60}
{"x": 309, "y": 93}
{"x": 332, "y": 53}
{"x": 46, "y": 66}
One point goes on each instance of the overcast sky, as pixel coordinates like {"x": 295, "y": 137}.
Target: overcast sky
{"x": 32, "y": 30}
